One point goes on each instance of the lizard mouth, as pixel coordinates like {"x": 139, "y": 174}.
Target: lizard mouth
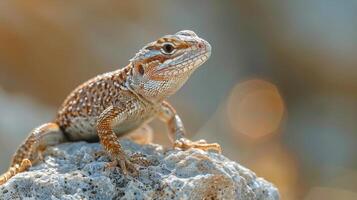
{"x": 183, "y": 67}
{"x": 188, "y": 62}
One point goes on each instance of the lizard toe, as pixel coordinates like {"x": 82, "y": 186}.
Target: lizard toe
{"x": 185, "y": 144}
{"x": 127, "y": 167}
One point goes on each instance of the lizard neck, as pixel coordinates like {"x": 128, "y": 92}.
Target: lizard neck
{"x": 153, "y": 90}
{"x": 124, "y": 77}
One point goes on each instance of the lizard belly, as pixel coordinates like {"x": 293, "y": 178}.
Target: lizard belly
{"x": 84, "y": 128}
{"x": 130, "y": 125}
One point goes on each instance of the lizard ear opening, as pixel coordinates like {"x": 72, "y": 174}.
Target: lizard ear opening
{"x": 140, "y": 69}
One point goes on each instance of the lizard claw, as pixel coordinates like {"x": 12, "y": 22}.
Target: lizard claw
{"x": 185, "y": 144}
{"x": 125, "y": 165}
{"x": 25, "y": 164}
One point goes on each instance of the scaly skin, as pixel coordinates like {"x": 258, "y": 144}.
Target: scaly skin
{"x": 115, "y": 103}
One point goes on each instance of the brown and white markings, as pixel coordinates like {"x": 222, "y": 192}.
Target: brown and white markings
{"x": 112, "y": 104}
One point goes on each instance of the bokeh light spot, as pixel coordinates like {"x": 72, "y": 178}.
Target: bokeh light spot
{"x": 255, "y": 108}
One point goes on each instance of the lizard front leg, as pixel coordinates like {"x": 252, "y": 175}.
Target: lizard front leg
{"x": 30, "y": 151}
{"x": 177, "y": 131}
{"x": 109, "y": 139}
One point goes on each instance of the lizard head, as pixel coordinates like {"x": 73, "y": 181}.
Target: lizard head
{"x": 161, "y": 67}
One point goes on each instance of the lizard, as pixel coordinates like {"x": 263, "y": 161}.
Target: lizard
{"x": 115, "y": 103}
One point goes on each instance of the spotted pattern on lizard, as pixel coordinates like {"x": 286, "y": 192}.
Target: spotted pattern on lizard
{"x": 115, "y": 103}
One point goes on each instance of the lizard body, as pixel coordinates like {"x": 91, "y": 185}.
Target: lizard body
{"x": 112, "y": 104}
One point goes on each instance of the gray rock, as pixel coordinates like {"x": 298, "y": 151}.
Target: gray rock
{"x": 77, "y": 171}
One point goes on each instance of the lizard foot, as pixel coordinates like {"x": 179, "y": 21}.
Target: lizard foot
{"x": 130, "y": 165}
{"x": 127, "y": 166}
{"x": 24, "y": 165}
{"x": 140, "y": 159}
{"x": 185, "y": 144}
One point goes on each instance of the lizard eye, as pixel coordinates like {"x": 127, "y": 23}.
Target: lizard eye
{"x": 168, "y": 48}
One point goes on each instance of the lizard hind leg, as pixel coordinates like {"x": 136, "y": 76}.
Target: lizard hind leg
{"x": 29, "y": 152}
{"x": 142, "y": 135}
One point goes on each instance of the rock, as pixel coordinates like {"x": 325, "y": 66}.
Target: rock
{"x": 77, "y": 171}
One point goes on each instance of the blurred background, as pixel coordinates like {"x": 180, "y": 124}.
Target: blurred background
{"x": 279, "y": 92}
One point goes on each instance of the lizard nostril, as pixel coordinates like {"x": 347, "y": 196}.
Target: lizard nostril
{"x": 200, "y": 45}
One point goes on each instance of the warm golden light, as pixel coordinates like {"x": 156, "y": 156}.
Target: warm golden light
{"x": 255, "y": 108}
{"x": 330, "y": 194}
{"x": 278, "y": 165}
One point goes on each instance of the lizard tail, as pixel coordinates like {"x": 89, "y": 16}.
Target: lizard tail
{"x": 12, "y": 171}
{"x": 30, "y": 151}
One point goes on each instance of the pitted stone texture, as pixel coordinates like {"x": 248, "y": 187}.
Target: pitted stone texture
{"x": 77, "y": 171}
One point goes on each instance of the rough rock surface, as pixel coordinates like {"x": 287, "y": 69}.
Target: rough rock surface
{"x": 77, "y": 171}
